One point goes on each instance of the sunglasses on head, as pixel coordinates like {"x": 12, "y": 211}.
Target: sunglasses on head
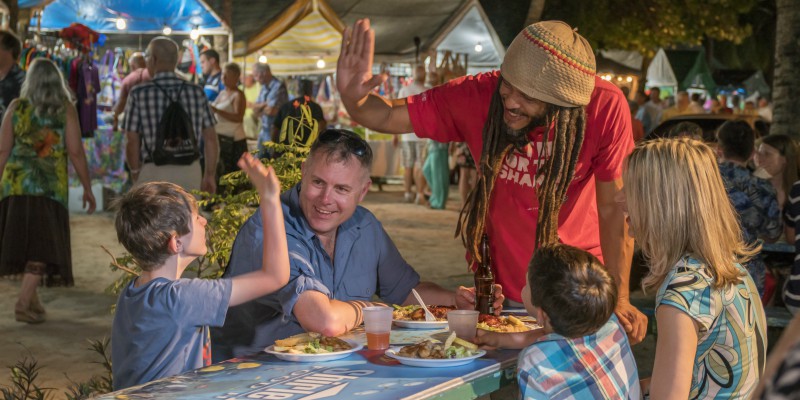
{"x": 355, "y": 144}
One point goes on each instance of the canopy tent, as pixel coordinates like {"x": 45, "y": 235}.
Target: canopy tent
{"x": 304, "y": 39}
{"x": 699, "y": 75}
{"x": 470, "y": 32}
{"x": 142, "y": 16}
{"x": 751, "y": 81}
{"x": 660, "y": 72}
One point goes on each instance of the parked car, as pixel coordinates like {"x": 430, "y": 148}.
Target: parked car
{"x": 709, "y": 124}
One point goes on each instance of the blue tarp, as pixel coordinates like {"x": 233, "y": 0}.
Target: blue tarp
{"x": 140, "y": 16}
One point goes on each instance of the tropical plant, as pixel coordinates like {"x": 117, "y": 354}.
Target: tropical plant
{"x": 232, "y": 205}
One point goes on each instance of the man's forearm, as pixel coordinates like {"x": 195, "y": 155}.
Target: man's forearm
{"x": 617, "y": 247}
{"x": 380, "y": 114}
{"x": 433, "y": 295}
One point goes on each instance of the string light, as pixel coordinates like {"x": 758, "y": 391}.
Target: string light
{"x": 167, "y": 30}
{"x": 629, "y": 79}
{"x": 262, "y": 59}
{"x": 320, "y": 63}
{"x": 478, "y": 48}
{"x": 121, "y": 24}
{"x": 195, "y": 33}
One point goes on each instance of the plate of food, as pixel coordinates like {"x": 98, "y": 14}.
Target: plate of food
{"x": 431, "y": 353}
{"x": 504, "y": 324}
{"x": 413, "y": 317}
{"x": 312, "y": 347}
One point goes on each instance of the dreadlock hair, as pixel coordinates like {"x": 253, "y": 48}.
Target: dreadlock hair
{"x": 552, "y": 177}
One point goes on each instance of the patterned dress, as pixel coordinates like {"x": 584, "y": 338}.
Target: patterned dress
{"x": 34, "y": 221}
{"x": 731, "y": 348}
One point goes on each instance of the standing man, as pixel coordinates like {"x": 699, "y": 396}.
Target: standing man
{"x": 551, "y": 136}
{"x": 654, "y": 109}
{"x": 11, "y": 75}
{"x": 339, "y": 254}
{"x": 682, "y": 107}
{"x": 137, "y": 75}
{"x": 147, "y": 103}
{"x": 295, "y": 121}
{"x": 412, "y": 146}
{"x": 212, "y": 73}
{"x": 251, "y": 90}
{"x": 270, "y": 100}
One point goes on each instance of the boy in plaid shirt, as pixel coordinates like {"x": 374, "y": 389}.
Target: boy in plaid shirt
{"x": 582, "y": 351}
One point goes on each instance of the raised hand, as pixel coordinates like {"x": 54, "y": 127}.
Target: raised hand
{"x": 263, "y": 178}
{"x": 354, "y": 77}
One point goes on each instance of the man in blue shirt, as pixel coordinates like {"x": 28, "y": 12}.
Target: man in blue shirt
{"x": 339, "y": 255}
{"x": 753, "y": 198}
{"x": 209, "y": 64}
{"x": 270, "y": 100}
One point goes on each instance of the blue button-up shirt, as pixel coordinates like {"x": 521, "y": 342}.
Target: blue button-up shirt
{"x": 275, "y": 95}
{"x": 366, "y": 263}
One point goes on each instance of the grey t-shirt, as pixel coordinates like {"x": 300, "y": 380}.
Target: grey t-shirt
{"x": 161, "y": 328}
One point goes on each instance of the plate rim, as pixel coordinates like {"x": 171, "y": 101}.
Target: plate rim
{"x": 357, "y": 346}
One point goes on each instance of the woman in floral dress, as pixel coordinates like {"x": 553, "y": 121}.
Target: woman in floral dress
{"x": 39, "y": 131}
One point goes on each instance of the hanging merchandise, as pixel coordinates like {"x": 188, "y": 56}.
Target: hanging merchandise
{"x": 453, "y": 66}
{"x": 80, "y": 37}
{"x": 110, "y": 80}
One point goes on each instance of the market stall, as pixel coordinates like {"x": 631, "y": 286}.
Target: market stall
{"x": 99, "y": 19}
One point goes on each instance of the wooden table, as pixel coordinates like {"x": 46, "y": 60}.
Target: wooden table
{"x": 363, "y": 375}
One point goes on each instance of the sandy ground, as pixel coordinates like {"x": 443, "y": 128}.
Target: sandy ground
{"x": 81, "y": 313}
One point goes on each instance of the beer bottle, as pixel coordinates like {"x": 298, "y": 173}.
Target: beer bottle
{"x": 484, "y": 280}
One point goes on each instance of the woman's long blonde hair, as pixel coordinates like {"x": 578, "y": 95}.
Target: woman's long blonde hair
{"x": 45, "y": 88}
{"x": 678, "y": 206}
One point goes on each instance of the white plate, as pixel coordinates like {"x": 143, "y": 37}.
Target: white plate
{"x": 315, "y": 357}
{"x": 420, "y": 324}
{"x": 432, "y": 363}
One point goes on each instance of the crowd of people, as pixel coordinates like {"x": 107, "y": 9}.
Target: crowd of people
{"x": 551, "y": 174}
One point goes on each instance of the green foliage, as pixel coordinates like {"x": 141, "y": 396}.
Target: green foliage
{"x": 25, "y": 372}
{"x": 646, "y": 25}
{"x": 234, "y": 202}
{"x": 23, "y": 381}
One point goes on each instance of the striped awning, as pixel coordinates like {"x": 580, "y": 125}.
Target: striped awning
{"x": 305, "y": 40}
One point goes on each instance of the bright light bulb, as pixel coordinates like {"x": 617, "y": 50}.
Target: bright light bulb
{"x": 320, "y": 63}
{"x": 195, "y": 33}
{"x": 478, "y": 48}
{"x": 630, "y": 79}
{"x": 121, "y": 24}
{"x": 619, "y": 79}
{"x": 166, "y": 31}
{"x": 262, "y": 59}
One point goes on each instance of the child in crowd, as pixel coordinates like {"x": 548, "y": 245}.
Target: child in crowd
{"x": 161, "y": 323}
{"x": 711, "y": 324}
{"x": 582, "y": 351}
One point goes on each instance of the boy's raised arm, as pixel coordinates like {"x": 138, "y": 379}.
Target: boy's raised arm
{"x": 274, "y": 272}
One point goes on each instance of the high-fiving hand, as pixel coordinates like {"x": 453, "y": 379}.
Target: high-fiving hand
{"x": 354, "y": 77}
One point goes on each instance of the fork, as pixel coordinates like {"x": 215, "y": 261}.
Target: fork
{"x": 428, "y": 315}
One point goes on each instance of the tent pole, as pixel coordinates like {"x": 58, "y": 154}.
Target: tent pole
{"x": 230, "y": 46}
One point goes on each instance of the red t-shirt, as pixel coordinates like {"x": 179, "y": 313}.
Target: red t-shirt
{"x": 457, "y": 111}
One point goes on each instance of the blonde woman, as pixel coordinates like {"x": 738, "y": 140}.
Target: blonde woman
{"x": 39, "y": 131}
{"x": 711, "y": 324}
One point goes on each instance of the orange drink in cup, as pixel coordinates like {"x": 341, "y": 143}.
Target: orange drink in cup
{"x": 378, "y": 324}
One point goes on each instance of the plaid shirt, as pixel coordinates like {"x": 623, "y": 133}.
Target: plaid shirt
{"x": 147, "y": 103}
{"x": 598, "y": 366}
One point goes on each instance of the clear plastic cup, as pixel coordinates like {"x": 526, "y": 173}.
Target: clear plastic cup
{"x": 378, "y": 324}
{"x": 464, "y": 323}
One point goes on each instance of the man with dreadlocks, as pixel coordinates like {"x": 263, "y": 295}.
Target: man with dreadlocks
{"x": 536, "y": 186}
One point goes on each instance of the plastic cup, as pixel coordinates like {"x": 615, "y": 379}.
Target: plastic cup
{"x": 464, "y": 323}
{"x": 378, "y": 324}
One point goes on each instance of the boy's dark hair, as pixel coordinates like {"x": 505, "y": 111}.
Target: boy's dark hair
{"x": 11, "y": 42}
{"x": 148, "y": 216}
{"x": 736, "y": 140}
{"x": 211, "y": 53}
{"x": 573, "y": 288}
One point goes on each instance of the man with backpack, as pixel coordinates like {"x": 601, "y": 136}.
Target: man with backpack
{"x": 164, "y": 120}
